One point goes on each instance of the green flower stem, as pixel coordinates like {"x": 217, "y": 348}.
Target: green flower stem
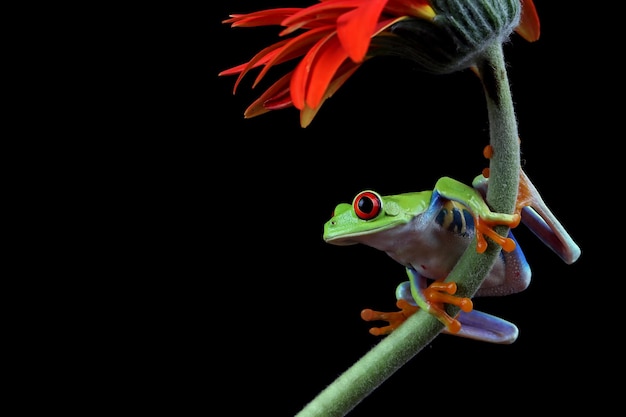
{"x": 504, "y": 167}
{"x": 396, "y": 349}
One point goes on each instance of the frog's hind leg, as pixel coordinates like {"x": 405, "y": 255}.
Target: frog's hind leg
{"x": 432, "y": 298}
{"x": 535, "y": 214}
{"x": 485, "y": 327}
{"x": 475, "y": 324}
{"x": 541, "y": 221}
{"x": 516, "y": 273}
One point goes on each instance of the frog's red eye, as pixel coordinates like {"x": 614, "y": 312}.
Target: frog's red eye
{"x": 367, "y": 205}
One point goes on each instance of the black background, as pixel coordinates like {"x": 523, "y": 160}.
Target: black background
{"x": 281, "y": 314}
{"x": 178, "y": 246}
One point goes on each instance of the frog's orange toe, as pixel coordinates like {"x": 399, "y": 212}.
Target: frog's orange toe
{"x": 394, "y": 318}
{"x": 485, "y": 228}
{"x": 381, "y": 331}
{"x": 369, "y": 314}
{"x": 439, "y": 293}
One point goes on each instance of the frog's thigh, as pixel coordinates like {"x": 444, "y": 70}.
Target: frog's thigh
{"x": 486, "y": 328}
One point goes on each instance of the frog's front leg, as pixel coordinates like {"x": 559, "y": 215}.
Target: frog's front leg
{"x": 541, "y": 221}
{"x": 536, "y": 215}
{"x": 394, "y": 318}
{"x": 484, "y": 219}
{"x": 415, "y": 294}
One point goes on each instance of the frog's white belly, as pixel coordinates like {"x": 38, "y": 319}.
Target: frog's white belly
{"x": 433, "y": 252}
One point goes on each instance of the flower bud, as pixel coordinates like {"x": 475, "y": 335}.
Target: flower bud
{"x": 455, "y": 38}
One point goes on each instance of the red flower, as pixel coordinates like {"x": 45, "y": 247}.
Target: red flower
{"x": 332, "y": 39}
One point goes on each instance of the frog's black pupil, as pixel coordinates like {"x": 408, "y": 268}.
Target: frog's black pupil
{"x": 366, "y": 205}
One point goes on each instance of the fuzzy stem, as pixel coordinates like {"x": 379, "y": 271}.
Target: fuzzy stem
{"x": 504, "y": 166}
{"x": 350, "y": 388}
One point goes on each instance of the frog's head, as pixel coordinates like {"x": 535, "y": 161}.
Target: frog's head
{"x": 371, "y": 213}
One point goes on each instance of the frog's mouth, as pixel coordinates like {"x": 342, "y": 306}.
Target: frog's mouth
{"x": 342, "y": 240}
{"x": 346, "y": 239}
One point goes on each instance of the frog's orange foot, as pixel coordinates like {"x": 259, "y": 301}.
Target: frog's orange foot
{"x": 394, "y": 319}
{"x": 527, "y": 194}
{"x": 485, "y": 227}
{"x": 525, "y": 197}
{"x": 439, "y": 293}
{"x": 436, "y": 295}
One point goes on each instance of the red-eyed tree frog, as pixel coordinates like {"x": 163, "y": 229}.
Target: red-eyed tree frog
{"x": 428, "y": 231}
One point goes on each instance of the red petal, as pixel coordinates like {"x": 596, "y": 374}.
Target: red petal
{"x": 295, "y": 47}
{"x": 301, "y": 74}
{"x": 279, "y": 101}
{"x": 326, "y": 8}
{"x": 279, "y": 89}
{"x": 529, "y": 27}
{"x": 324, "y": 19}
{"x": 355, "y": 28}
{"x": 260, "y": 58}
{"x": 415, "y": 8}
{"x": 324, "y": 65}
{"x": 316, "y": 70}
{"x": 261, "y": 18}
{"x": 343, "y": 73}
